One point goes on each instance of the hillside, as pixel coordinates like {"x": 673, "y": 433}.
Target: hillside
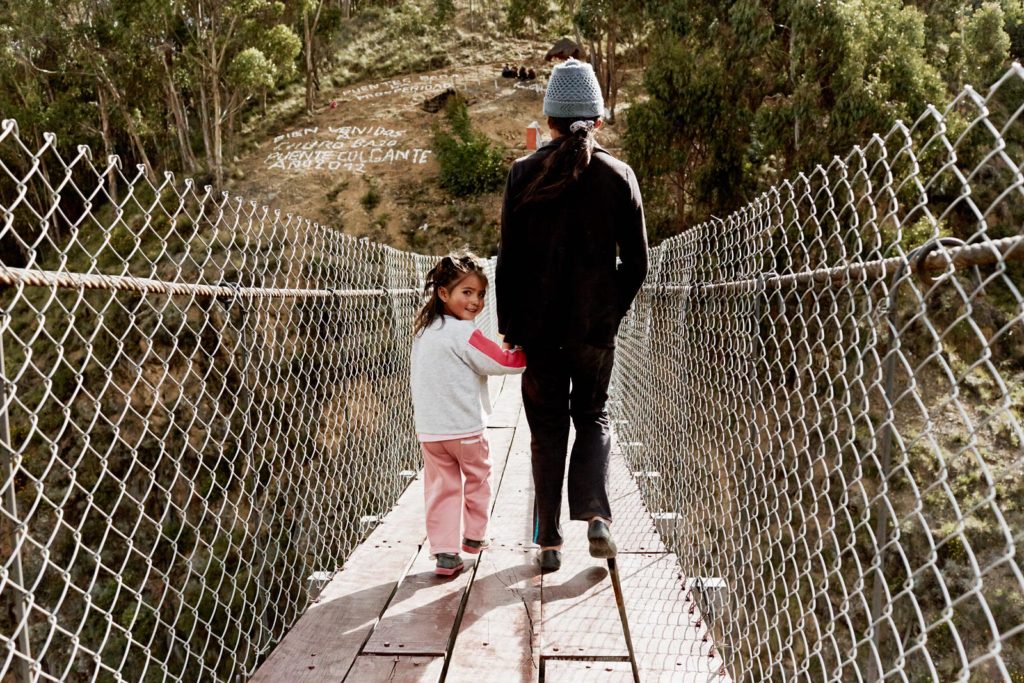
{"x": 374, "y": 138}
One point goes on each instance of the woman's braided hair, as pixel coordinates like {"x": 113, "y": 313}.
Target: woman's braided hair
{"x": 449, "y": 272}
{"x": 563, "y": 166}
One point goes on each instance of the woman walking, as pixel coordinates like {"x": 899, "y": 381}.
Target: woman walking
{"x": 570, "y": 210}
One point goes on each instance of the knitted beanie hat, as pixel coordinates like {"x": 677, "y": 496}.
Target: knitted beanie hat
{"x": 573, "y": 91}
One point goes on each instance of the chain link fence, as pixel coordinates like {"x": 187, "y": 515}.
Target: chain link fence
{"x": 204, "y": 410}
{"x": 822, "y": 397}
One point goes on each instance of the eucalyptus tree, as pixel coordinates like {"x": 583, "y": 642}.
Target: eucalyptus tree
{"x": 236, "y": 48}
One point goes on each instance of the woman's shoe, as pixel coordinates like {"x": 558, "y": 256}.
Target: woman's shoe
{"x": 549, "y": 560}
{"x": 448, "y": 564}
{"x": 600, "y": 537}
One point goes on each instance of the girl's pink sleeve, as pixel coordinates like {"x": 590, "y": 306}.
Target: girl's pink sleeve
{"x": 487, "y": 358}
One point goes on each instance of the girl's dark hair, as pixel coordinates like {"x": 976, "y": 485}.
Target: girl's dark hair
{"x": 447, "y": 273}
{"x": 566, "y": 163}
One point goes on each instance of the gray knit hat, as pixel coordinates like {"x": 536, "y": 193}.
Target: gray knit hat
{"x": 573, "y": 90}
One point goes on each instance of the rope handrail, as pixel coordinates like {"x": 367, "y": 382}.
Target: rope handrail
{"x": 34, "y": 277}
{"x": 983, "y": 253}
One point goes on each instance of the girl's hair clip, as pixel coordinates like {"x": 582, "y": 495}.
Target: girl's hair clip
{"x": 580, "y": 125}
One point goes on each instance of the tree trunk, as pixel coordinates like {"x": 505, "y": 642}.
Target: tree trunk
{"x": 204, "y": 122}
{"x": 230, "y": 112}
{"x": 613, "y": 86}
{"x": 218, "y": 135}
{"x": 307, "y": 34}
{"x": 108, "y": 146}
{"x": 217, "y": 113}
{"x": 129, "y": 122}
{"x": 188, "y": 159}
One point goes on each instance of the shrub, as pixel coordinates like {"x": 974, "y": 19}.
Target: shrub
{"x": 370, "y": 200}
{"x": 470, "y": 164}
{"x": 444, "y": 10}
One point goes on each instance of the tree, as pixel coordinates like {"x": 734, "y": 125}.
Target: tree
{"x": 605, "y": 24}
{"x": 224, "y": 37}
{"x": 986, "y": 44}
{"x": 519, "y": 12}
{"x": 311, "y": 12}
{"x": 744, "y": 94}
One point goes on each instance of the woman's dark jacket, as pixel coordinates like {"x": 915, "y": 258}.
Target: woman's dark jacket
{"x": 557, "y": 278}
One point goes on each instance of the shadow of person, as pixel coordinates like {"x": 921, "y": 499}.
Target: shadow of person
{"x": 584, "y": 580}
{"x": 383, "y": 608}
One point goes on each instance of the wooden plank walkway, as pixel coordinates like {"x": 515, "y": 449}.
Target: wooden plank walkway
{"x": 386, "y": 617}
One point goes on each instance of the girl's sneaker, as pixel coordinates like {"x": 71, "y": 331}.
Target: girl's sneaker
{"x": 448, "y": 564}
{"x": 474, "y": 547}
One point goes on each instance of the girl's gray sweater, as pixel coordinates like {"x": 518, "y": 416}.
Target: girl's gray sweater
{"x": 450, "y": 363}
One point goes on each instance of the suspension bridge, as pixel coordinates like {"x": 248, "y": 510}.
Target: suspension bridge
{"x": 209, "y": 468}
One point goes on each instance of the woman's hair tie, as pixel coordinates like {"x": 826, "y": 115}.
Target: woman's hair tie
{"x": 577, "y": 126}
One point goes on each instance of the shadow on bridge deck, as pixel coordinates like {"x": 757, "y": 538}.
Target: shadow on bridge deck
{"x": 386, "y": 617}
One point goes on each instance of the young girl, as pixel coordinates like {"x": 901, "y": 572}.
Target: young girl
{"x": 450, "y": 363}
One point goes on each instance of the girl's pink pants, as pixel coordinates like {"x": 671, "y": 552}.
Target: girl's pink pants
{"x": 456, "y": 488}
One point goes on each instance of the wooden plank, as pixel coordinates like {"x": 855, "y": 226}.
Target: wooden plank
{"x": 338, "y": 622}
{"x": 632, "y": 528}
{"x": 511, "y": 523}
{"x": 579, "y": 671}
{"x": 495, "y": 383}
{"x": 578, "y": 612}
{"x": 404, "y": 522}
{"x": 670, "y": 640}
{"x": 400, "y": 669}
{"x": 420, "y": 617}
{"x": 334, "y": 627}
{"x": 499, "y": 440}
{"x": 497, "y": 629}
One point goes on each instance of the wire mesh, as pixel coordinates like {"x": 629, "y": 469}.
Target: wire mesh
{"x": 204, "y": 410}
{"x": 825, "y": 394}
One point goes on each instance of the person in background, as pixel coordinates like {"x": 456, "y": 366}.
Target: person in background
{"x": 572, "y": 257}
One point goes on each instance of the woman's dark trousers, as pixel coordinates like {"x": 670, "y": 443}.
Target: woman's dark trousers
{"x": 562, "y": 383}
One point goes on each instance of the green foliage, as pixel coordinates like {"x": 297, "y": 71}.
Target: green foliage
{"x": 282, "y": 47}
{"x": 744, "y": 95}
{"x": 444, "y": 10}
{"x": 371, "y": 198}
{"x": 986, "y": 45}
{"x": 250, "y": 71}
{"x": 470, "y": 164}
{"x": 521, "y": 12}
